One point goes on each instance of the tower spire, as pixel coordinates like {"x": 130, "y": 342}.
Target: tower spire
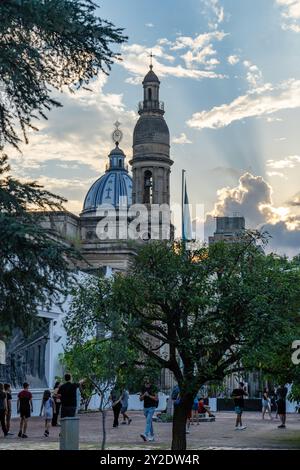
{"x": 151, "y": 57}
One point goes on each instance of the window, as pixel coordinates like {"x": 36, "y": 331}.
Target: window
{"x": 149, "y": 94}
{"x": 148, "y": 183}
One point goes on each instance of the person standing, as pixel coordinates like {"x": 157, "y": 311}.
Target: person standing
{"x": 239, "y": 403}
{"x": 7, "y": 390}
{"x": 3, "y": 409}
{"x": 24, "y": 408}
{"x": 150, "y": 398}
{"x": 57, "y": 403}
{"x": 67, "y": 393}
{"x": 281, "y": 405}
{"x": 48, "y": 406}
{"x": 266, "y": 404}
{"x": 195, "y": 410}
{"x": 124, "y": 406}
{"x": 115, "y": 397}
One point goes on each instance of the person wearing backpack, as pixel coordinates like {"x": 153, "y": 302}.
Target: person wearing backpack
{"x": 150, "y": 398}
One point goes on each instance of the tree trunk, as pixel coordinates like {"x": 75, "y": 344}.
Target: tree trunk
{"x": 181, "y": 412}
{"x": 103, "y": 429}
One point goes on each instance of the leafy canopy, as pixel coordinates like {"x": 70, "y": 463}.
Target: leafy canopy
{"x": 35, "y": 269}
{"x": 202, "y": 314}
{"x": 46, "y": 45}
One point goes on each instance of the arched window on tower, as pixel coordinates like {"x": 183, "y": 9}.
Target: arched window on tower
{"x": 120, "y": 162}
{"x": 148, "y": 184}
{"x": 149, "y": 94}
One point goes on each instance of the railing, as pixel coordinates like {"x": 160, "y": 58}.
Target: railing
{"x": 123, "y": 167}
{"x": 153, "y": 104}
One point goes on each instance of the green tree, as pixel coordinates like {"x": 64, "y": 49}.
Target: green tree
{"x": 47, "y": 45}
{"x": 35, "y": 269}
{"x": 104, "y": 358}
{"x": 98, "y": 361}
{"x": 211, "y": 308}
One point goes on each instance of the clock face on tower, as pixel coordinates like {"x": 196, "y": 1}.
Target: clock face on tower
{"x": 117, "y": 136}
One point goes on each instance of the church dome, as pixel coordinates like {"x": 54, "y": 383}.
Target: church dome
{"x": 150, "y": 77}
{"x": 151, "y": 128}
{"x": 116, "y": 183}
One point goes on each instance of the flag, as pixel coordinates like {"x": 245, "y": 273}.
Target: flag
{"x": 186, "y": 217}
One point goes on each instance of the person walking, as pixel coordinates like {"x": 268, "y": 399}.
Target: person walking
{"x": 24, "y": 408}
{"x": 48, "y": 406}
{"x": 273, "y": 397}
{"x": 57, "y": 403}
{"x": 7, "y": 390}
{"x": 266, "y": 404}
{"x": 124, "y": 406}
{"x": 115, "y": 397}
{"x": 67, "y": 393}
{"x": 281, "y": 405}
{"x": 3, "y": 409}
{"x": 195, "y": 411}
{"x": 239, "y": 403}
{"x": 150, "y": 398}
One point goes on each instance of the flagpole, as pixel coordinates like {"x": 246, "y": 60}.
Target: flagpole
{"x": 182, "y": 208}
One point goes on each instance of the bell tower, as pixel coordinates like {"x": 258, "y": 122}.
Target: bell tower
{"x": 151, "y": 163}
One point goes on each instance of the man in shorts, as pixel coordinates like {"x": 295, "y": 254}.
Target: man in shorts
{"x": 24, "y": 408}
{"x": 238, "y": 398}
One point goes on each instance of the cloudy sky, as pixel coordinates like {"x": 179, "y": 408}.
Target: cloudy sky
{"x": 230, "y": 80}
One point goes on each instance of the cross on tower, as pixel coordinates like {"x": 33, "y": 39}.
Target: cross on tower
{"x": 151, "y": 57}
{"x": 117, "y": 124}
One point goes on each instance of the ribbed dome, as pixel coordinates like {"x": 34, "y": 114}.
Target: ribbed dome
{"x": 107, "y": 190}
{"x": 150, "y": 77}
{"x": 151, "y": 128}
{"x": 116, "y": 183}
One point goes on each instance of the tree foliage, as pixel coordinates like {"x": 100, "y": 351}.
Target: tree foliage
{"x": 46, "y": 45}
{"x": 84, "y": 321}
{"x": 202, "y": 314}
{"x": 35, "y": 269}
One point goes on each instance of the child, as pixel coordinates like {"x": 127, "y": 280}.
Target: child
{"x": 203, "y": 409}
{"x": 24, "y": 408}
{"x": 195, "y": 411}
{"x": 48, "y": 405}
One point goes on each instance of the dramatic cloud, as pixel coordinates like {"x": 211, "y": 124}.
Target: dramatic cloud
{"x": 287, "y": 162}
{"x": 276, "y": 173}
{"x": 254, "y": 75}
{"x": 262, "y": 101}
{"x": 182, "y": 139}
{"x": 233, "y": 59}
{"x": 252, "y": 198}
{"x": 295, "y": 201}
{"x": 198, "y": 52}
{"x": 290, "y": 11}
{"x": 215, "y": 13}
{"x": 200, "y": 48}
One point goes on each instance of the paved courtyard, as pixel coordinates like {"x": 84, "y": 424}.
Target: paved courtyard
{"x": 216, "y": 435}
